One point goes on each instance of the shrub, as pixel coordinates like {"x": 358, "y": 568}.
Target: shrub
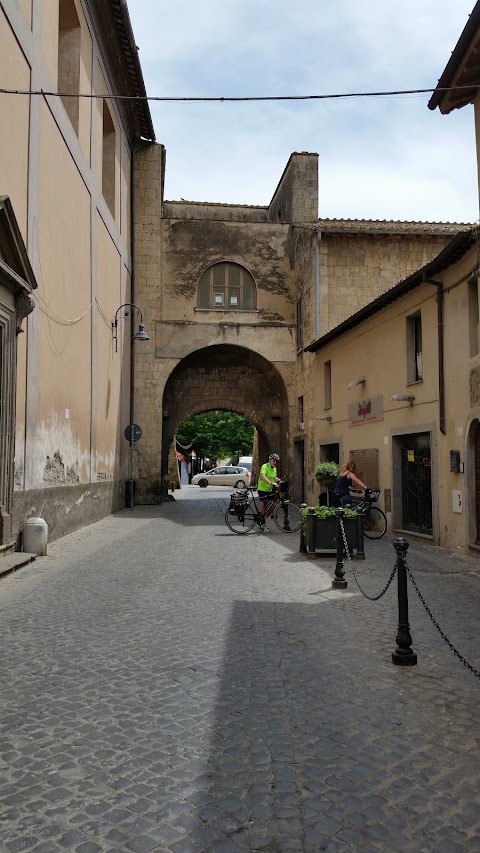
{"x": 326, "y": 473}
{"x": 325, "y": 512}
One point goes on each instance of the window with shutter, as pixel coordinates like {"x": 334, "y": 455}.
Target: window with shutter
{"x": 226, "y": 287}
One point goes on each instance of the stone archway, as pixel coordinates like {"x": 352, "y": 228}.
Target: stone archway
{"x": 235, "y": 379}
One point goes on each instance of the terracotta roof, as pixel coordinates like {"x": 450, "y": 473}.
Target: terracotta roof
{"x": 390, "y": 226}
{"x": 455, "y": 250}
{"x": 462, "y": 69}
{"x": 215, "y": 204}
{"x": 129, "y": 64}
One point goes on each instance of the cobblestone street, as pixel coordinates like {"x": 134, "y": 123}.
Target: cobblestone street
{"x": 169, "y": 686}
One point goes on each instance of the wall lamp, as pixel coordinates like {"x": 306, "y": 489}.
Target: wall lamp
{"x": 360, "y": 381}
{"x": 403, "y": 398}
{"x": 140, "y": 335}
{"x": 324, "y": 418}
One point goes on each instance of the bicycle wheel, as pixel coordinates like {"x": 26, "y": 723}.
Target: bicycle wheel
{"x": 374, "y": 523}
{"x": 241, "y": 523}
{"x": 287, "y": 517}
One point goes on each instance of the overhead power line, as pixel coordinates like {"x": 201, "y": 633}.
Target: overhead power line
{"x": 231, "y": 98}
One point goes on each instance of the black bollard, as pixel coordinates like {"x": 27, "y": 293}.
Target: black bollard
{"x": 302, "y": 547}
{"x": 311, "y": 532}
{"x": 403, "y": 654}
{"x": 339, "y": 581}
{"x": 360, "y": 536}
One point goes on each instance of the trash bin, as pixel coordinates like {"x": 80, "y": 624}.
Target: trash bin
{"x": 130, "y": 492}
{"x": 35, "y": 536}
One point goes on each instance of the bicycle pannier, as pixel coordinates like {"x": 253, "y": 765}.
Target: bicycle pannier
{"x": 238, "y": 502}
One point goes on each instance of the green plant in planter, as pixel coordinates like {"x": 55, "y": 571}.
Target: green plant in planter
{"x": 326, "y": 474}
{"x": 325, "y": 512}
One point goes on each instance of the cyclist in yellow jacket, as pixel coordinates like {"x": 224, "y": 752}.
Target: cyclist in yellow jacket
{"x": 266, "y": 482}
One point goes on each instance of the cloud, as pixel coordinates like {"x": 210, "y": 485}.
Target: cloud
{"x": 379, "y": 158}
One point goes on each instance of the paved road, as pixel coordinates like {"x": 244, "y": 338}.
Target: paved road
{"x": 169, "y": 686}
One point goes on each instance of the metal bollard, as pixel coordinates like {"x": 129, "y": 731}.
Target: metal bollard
{"x": 339, "y": 581}
{"x": 403, "y": 654}
{"x": 311, "y": 532}
{"x": 360, "y": 536}
{"x": 302, "y": 548}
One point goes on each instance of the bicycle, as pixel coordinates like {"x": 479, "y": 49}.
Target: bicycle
{"x": 374, "y": 519}
{"x": 243, "y": 513}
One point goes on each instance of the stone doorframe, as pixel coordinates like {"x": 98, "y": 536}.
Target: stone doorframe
{"x": 396, "y": 435}
{"x": 17, "y": 282}
{"x": 469, "y": 482}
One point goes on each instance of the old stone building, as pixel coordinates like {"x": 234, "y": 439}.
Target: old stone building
{"x": 234, "y": 293}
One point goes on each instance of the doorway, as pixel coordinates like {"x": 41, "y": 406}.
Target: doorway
{"x": 330, "y": 453}
{"x": 476, "y": 448}
{"x": 299, "y": 472}
{"x": 416, "y": 483}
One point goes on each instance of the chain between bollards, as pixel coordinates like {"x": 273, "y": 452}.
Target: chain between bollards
{"x": 339, "y": 581}
{"x": 403, "y": 654}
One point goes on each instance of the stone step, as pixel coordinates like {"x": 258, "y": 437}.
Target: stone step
{"x": 12, "y": 562}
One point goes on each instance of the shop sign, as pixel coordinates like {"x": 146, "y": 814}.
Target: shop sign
{"x": 366, "y": 411}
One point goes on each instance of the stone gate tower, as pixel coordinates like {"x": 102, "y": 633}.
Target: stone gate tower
{"x": 218, "y": 290}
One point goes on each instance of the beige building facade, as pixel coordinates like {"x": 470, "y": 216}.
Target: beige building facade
{"x": 396, "y": 385}
{"x": 392, "y": 392}
{"x": 65, "y": 256}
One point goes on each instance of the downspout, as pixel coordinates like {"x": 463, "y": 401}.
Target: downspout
{"x": 132, "y": 299}
{"x": 441, "y": 371}
{"x": 132, "y": 288}
{"x": 132, "y": 342}
{"x": 318, "y": 240}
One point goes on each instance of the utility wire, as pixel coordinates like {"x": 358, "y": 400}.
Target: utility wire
{"x": 166, "y": 99}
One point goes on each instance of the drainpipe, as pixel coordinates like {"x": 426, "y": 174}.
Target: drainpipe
{"x": 318, "y": 240}
{"x": 441, "y": 371}
{"x": 132, "y": 299}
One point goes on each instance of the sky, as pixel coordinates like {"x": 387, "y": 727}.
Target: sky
{"x": 379, "y": 158}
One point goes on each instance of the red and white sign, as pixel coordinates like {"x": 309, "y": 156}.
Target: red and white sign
{"x": 365, "y": 411}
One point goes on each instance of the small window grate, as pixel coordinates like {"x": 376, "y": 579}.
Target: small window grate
{"x": 366, "y": 463}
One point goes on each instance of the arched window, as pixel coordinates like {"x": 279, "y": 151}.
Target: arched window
{"x": 226, "y": 287}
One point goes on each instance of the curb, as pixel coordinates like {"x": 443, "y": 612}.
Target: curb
{"x": 12, "y": 562}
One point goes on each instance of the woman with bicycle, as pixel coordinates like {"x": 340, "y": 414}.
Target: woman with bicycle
{"x": 266, "y": 482}
{"x": 345, "y": 481}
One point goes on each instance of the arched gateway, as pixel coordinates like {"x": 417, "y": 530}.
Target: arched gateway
{"x": 231, "y": 378}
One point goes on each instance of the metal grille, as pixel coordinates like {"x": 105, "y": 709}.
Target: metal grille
{"x": 366, "y": 462}
{"x": 417, "y": 485}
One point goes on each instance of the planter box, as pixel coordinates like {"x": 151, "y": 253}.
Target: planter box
{"x": 321, "y": 535}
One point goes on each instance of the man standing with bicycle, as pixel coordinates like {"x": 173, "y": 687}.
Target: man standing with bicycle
{"x": 266, "y": 482}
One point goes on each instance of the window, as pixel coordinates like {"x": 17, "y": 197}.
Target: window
{"x": 473, "y": 316}
{"x": 327, "y": 385}
{"x": 69, "y": 41}
{"x": 300, "y": 409}
{"x": 414, "y": 349}
{"x": 227, "y": 287}
{"x": 108, "y": 159}
{"x": 299, "y": 324}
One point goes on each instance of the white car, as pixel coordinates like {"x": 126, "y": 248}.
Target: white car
{"x": 227, "y": 475}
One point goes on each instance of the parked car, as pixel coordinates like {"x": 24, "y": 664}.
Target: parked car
{"x": 227, "y": 475}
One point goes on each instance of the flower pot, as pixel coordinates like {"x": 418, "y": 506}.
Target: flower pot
{"x": 321, "y": 535}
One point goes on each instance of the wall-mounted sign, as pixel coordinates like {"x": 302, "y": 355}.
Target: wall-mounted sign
{"x": 132, "y": 433}
{"x": 366, "y": 411}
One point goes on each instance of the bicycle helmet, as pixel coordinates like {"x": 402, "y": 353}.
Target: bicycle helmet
{"x": 274, "y": 456}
